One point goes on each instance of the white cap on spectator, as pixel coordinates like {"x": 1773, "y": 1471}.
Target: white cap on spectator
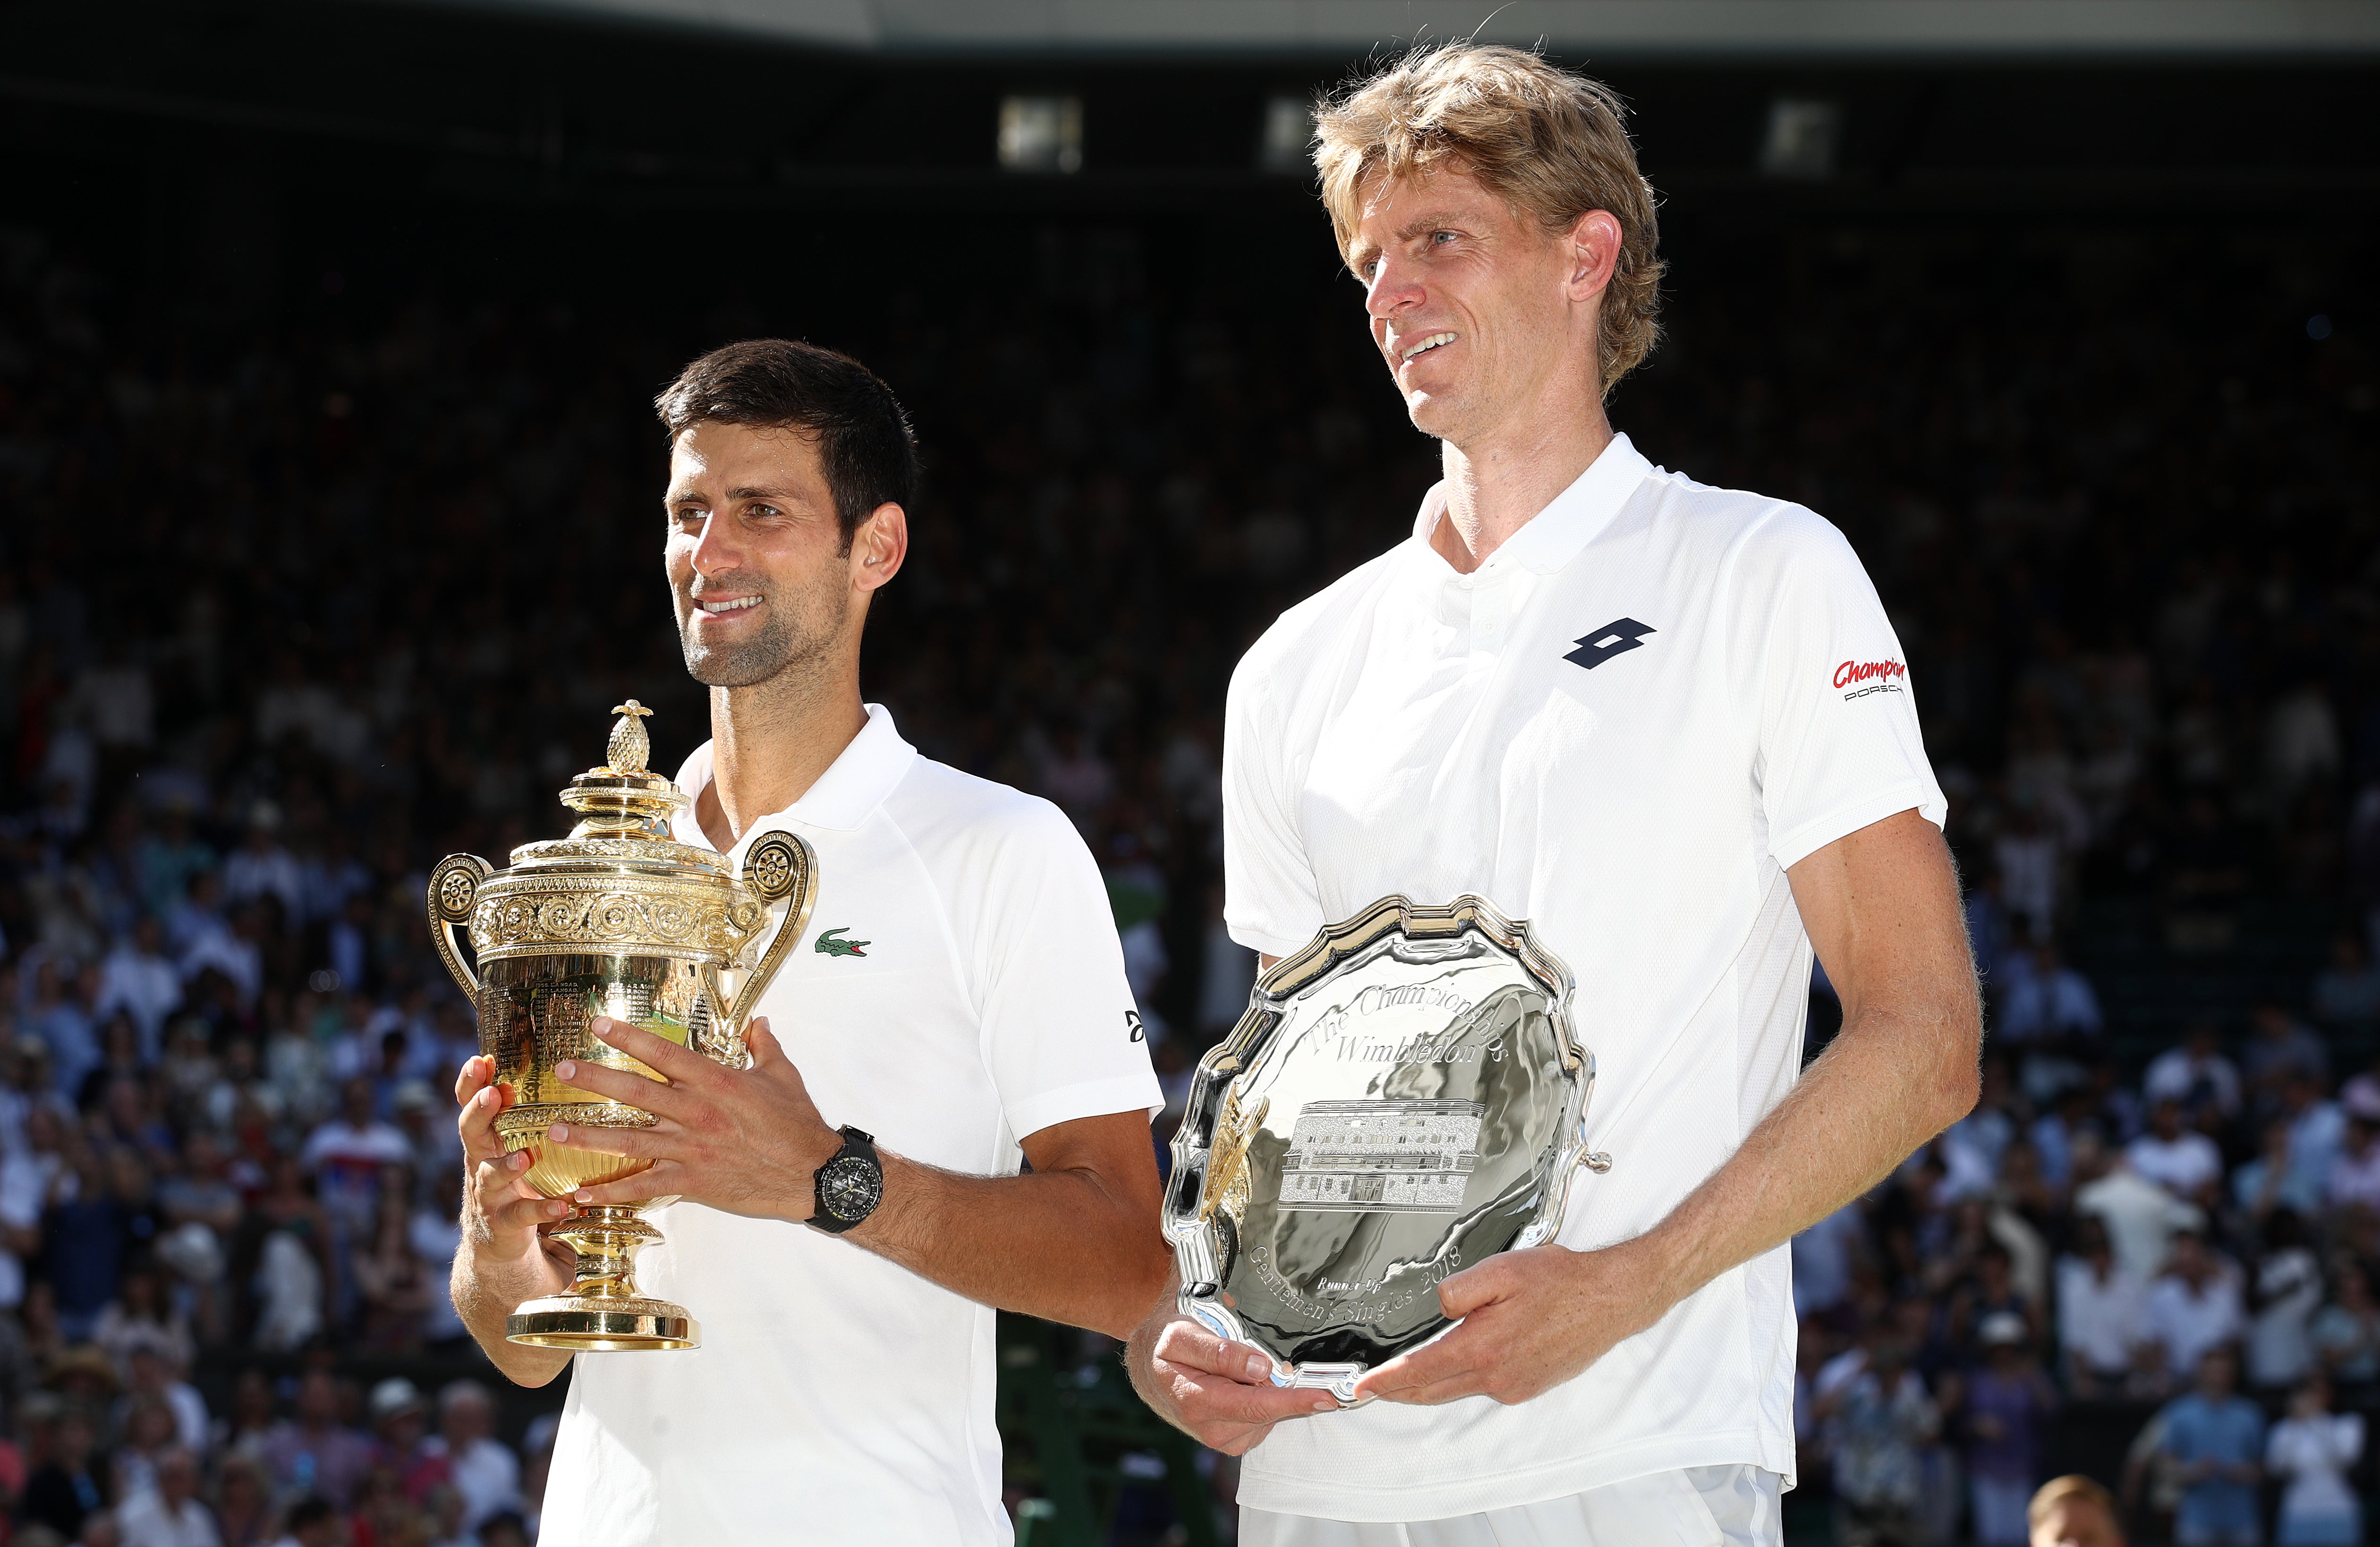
{"x": 2001, "y": 1328}
{"x": 396, "y": 1394}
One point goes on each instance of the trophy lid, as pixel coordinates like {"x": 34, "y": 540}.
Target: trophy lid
{"x": 621, "y": 797}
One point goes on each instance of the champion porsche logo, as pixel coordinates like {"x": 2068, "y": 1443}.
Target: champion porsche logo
{"x": 1616, "y": 638}
{"x": 831, "y": 944}
{"x": 1858, "y": 678}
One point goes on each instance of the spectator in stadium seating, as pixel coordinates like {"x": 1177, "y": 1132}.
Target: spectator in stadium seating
{"x": 62, "y": 1020}
{"x": 482, "y": 1468}
{"x": 2141, "y": 1216}
{"x": 2180, "y": 1160}
{"x": 169, "y": 1512}
{"x": 389, "y": 1273}
{"x": 2050, "y": 1002}
{"x": 248, "y": 1426}
{"x": 1877, "y": 1422}
{"x": 243, "y": 1504}
{"x": 2052, "y": 1133}
{"x": 400, "y": 1430}
{"x": 2318, "y": 1127}
{"x": 2345, "y": 1332}
{"x": 2284, "y": 1292}
{"x": 2193, "y": 1306}
{"x": 138, "y": 979}
{"x": 2313, "y": 1450}
{"x": 142, "y": 1317}
{"x": 2100, "y": 1311}
{"x": 2355, "y": 1174}
{"x": 145, "y": 1434}
{"x": 151, "y": 1375}
{"x": 314, "y": 1453}
{"x": 2280, "y": 1050}
{"x": 69, "y": 1485}
{"x": 260, "y": 867}
{"x": 2195, "y": 1074}
{"x": 2273, "y": 1180}
{"x": 2031, "y": 861}
{"x": 2074, "y": 1511}
{"x": 2115, "y": 1106}
{"x": 2003, "y": 1406}
{"x": 2218, "y": 1439}
{"x": 347, "y": 1153}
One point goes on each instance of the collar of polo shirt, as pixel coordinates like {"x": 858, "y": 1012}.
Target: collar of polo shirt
{"x": 853, "y": 786}
{"x": 1553, "y": 536}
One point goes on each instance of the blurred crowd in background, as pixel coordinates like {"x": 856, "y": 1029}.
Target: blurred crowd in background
{"x": 290, "y": 609}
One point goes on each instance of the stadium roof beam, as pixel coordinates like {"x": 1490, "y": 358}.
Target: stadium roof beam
{"x": 1849, "y": 30}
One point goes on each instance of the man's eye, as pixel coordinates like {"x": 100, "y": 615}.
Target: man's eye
{"x": 1441, "y": 235}
{"x": 766, "y": 510}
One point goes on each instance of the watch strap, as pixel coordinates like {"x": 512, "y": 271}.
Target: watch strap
{"x": 857, "y": 1144}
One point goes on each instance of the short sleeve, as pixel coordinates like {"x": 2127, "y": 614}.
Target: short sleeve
{"x": 1839, "y": 746}
{"x": 1060, "y": 1034}
{"x": 1271, "y": 902}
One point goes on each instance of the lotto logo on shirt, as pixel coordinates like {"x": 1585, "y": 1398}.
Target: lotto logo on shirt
{"x": 1858, "y": 678}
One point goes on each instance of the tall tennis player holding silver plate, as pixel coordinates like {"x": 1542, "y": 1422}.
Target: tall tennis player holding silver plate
{"x": 1405, "y": 1097}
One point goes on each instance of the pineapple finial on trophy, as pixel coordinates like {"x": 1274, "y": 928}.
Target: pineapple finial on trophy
{"x": 629, "y": 745}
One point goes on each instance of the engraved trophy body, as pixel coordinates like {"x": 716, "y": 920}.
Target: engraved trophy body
{"x": 616, "y": 919}
{"x": 1404, "y": 1098}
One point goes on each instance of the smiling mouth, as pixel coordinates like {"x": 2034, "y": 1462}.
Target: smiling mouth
{"x": 732, "y": 605}
{"x": 1426, "y": 345}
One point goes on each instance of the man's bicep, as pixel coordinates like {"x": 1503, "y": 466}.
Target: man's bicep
{"x": 1115, "y": 1147}
{"x": 1881, "y": 905}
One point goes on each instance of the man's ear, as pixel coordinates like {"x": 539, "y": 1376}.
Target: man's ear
{"x": 879, "y": 547}
{"x": 1593, "y": 241}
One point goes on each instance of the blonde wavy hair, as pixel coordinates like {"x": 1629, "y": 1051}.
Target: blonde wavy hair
{"x": 1552, "y": 144}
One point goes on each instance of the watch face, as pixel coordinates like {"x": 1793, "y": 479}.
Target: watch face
{"x": 849, "y": 1187}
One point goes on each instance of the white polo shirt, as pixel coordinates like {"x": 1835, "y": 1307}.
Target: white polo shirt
{"x": 1623, "y": 727}
{"x": 960, "y": 988}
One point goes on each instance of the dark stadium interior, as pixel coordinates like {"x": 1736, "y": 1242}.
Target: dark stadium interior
{"x": 328, "y": 537}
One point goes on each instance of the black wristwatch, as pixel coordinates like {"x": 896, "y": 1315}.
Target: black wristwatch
{"x": 850, "y": 1184}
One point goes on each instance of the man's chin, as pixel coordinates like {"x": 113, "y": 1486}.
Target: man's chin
{"x": 1432, "y": 413}
{"x": 730, "y": 668}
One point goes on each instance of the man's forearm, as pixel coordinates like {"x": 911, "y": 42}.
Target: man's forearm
{"x": 1888, "y": 1083}
{"x": 483, "y": 1309}
{"x": 1058, "y": 1245}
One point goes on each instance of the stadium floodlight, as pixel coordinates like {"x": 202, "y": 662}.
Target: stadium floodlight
{"x": 1042, "y": 134}
{"x": 1801, "y": 138}
{"x": 1288, "y": 135}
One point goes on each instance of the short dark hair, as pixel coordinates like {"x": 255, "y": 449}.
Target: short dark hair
{"x": 865, "y": 444}
{"x": 311, "y": 1510}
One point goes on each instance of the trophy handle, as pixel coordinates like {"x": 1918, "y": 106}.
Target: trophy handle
{"x": 453, "y": 887}
{"x": 780, "y": 865}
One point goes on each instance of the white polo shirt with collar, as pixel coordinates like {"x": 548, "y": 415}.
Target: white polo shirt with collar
{"x": 960, "y": 988}
{"x": 1624, "y": 727}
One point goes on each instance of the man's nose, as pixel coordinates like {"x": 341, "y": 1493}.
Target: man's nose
{"x": 1395, "y": 288}
{"x": 716, "y": 549}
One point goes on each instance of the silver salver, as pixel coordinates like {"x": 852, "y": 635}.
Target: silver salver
{"x": 1405, "y": 1097}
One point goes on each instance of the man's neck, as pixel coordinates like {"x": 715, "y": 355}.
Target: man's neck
{"x": 1496, "y": 484}
{"x": 769, "y": 744}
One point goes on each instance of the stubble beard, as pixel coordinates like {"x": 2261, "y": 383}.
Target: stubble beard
{"x": 797, "y": 638}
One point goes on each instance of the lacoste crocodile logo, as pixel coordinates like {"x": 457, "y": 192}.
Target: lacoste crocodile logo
{"x": 828, "y": 945}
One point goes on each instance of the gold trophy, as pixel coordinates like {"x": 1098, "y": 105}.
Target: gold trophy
{"x": 617, "y": 920}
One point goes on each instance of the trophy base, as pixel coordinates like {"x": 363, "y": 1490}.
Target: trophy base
{"x": 592, "y": 1324}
